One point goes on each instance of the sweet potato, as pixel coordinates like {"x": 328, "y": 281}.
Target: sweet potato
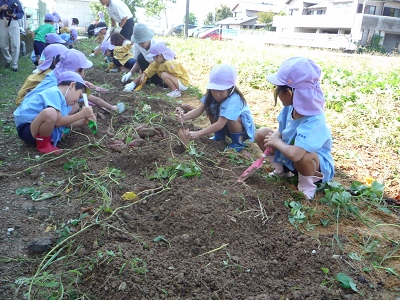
{"x": 118, "y": 147}
{"x": 187, "y": 107}
{"x": 117, "y": 141}
{"x": 147, "y": 132}
{"x": 141, "y": 126}
{"x": 136, "y": 142}
{"x": 110, "y": 134}
{"x": 100, "y": 116}
{"x": 162, "y": 132}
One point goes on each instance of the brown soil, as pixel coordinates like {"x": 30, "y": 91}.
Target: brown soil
{"x": 205, "y": 237}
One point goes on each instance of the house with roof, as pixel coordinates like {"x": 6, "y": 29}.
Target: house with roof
{"x": 245, "y": 15}
{"x": 359, "y": 20}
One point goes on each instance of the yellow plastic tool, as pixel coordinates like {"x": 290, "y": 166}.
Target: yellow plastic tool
{"x": 140, "y": 86}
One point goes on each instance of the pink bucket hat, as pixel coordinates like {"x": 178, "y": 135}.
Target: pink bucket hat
{"x": 71, "y": 61}
{"x": 49, "y": 17}
{"x": 106, "y": 45}
{"x": 74, "y": 33}
{"x": 222, "y": 77}
{"x": 303, "y": 75}
{"x": 72, "y": 76}
{"x": 161, "y": 48}
{"x": 53, "y": 38}
{"x": 49, "y": 53}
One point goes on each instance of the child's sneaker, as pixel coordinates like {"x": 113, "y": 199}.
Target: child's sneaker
{"x": 274, "y": 173}
{"x": 113, "y": 70}
{"x": 130, "y": 87}
{"x": 174, "y": 94}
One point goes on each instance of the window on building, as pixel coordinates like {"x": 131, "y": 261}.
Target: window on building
{"x": 391, "y": 12}
{"x": 370, "y": 10}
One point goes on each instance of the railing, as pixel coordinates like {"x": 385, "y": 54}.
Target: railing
{"x": 319, "y": 40}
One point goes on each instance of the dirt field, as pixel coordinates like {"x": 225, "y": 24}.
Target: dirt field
{"x": 203, "y": 236}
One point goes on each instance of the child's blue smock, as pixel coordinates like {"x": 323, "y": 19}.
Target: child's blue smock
{"x": 232, "y": 108}
{"x": 30, "y": 108}
{"x": 309, "y": 133}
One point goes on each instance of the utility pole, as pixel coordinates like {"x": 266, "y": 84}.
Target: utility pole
{"x": 187, "y": 18}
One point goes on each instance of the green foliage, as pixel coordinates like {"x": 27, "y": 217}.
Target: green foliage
{"x": 76, "y": 165}
{"x": 192, "y": 18}
{"x": 375, "y": 46}
{"x": 297, "y": 213}
{"x": 375, "y": 191}
{"x": 222, "y": 12}
{"x": 266, "y": 17}
{"x": 210, "y": 19}
{"x": 186, "y": 170}
{"x": 35, "y": 194}
{"x": 155, "y": 8}
{"x": 96, "y": 7}
{"x": 346, "y": 282}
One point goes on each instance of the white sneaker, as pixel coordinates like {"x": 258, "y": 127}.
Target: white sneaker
{"x": 174, "y": 94}
{"x": 130, "y": 87}
{"x": 113, "y": 70}
{"x": 282, "y": 175}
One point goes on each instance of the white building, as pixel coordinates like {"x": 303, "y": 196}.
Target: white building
{"x": 359, "y": 20}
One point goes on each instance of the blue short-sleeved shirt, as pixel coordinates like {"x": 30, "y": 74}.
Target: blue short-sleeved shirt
{"x": 31, "y": 107}
{"x": 309, "y": 133}
{"x": 232, "y": 108}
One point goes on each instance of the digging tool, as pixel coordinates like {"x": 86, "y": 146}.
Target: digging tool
{"x": 255, "y": 166}
{"x": 140, "y": 86}
{"x": 91, "y": 124}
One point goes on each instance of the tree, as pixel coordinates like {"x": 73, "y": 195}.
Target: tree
{"x": 192, "y": 18}
{"x": 222, "y": 13}
{"x": 154, "y": 8}
{"x": 266, "y": 17}
{"x": 209, "y": 19}
{"x": 96, "y": 6}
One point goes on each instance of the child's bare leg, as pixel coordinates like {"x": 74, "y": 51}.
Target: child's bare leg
{"x": 79, "y": 123}
{"x": 44, "y": 122}
{"x": 101, "y": 103}
{"x": 260, "y": 136}
{"x": 170, "y": 80}
{"x": 308, "y": 164}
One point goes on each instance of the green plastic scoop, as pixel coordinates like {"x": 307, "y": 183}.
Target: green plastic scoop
{"x": 91, "y": 124}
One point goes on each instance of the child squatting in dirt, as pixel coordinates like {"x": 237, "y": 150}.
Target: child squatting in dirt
{"x": 171, "y": 71}
{"x": 303, "y": 142}
{"x": 226, "y": 109}
{"x": 41, "y": 119}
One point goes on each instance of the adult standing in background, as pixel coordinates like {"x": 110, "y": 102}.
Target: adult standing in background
{"x": 10, "y": 12}
{"x": 120, "y": 13}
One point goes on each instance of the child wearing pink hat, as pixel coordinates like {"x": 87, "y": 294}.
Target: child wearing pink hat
{"x": 52, "y": 53}
{"x": 72, "y": 60}
{"x": 303, "y": 142}
{"x": 41, "y": 119}
{"x": 226, "y": 109}
{"x": 39, "y": 42}
{"x": 70, "y": 38}
{"x": 167, "y": 68}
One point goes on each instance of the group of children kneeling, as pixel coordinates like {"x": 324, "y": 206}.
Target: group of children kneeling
{"x": 301, "y": 146}
{"x": 154, "y": 60}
